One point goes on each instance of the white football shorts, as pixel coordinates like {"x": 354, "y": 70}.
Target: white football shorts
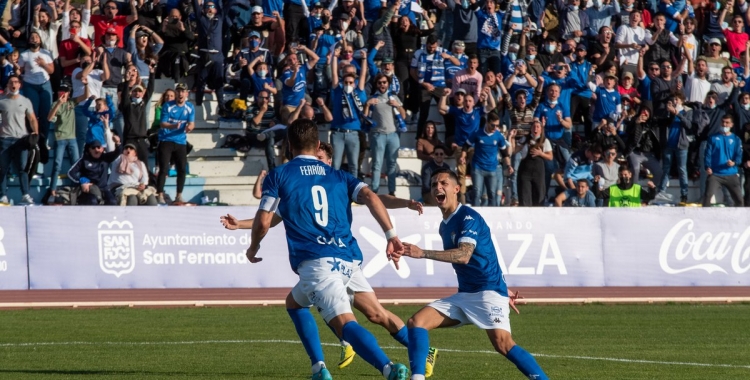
{"x": 487, "y": 309}
{"x": 358, "y": 283}
{"x": 323, "y": 284}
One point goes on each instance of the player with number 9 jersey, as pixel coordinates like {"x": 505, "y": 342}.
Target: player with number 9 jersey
{"x": 316, "y": 208}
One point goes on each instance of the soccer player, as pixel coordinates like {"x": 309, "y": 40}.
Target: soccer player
{"x": 365, "y": 299}
{"x": 482, "y": 297}
{"x": 314, "y": 201}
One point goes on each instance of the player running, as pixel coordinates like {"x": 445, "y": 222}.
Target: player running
{"x": 314, "y": 201}
{"x": 364, "y": 298}
{"x": 482, "y": 297}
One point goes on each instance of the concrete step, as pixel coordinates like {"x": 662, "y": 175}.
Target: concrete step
{"x": 226, "y": 166}
{"x": 213, "y": 137}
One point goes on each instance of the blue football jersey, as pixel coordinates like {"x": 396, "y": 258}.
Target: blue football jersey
{"x": 482, "y": 272}
{"x": 314, "y": 201}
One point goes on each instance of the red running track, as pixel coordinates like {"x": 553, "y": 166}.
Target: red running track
{"x": 386, "y": 294}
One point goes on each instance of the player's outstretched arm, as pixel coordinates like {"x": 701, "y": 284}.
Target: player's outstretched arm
{"x": 231, "y": 223}
{"x": 391, "y": 202}
{"x": 379, "y": 212}
{"x": 261, "y": 225}
{"x": 460, "y": 255}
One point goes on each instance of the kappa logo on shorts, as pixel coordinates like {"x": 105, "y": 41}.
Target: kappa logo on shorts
{"x": 496, "y": 320}
{"x": 116, "y": 247}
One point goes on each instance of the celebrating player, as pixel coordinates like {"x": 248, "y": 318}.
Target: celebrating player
{"x": 313, "y": 200}
{"x": 482, "y": 297}
{"x": 365, "y": 299}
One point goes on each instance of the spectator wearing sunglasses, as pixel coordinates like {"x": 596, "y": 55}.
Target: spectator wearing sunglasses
{"x": 603, "y": 49}
{"x": 736, "y": 36}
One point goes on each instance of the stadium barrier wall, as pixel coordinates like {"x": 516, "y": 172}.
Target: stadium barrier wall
{"x": 14, "y": 260}
{"x": 187, "y": 247}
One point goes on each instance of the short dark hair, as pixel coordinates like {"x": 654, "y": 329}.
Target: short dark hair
{"x": 727, "y": 117}
{"x": 678, "y": 95}
{"x": 492, "y": 116}
{"x": 624, "y": 168}
{"x": 431, "y": 39}
{"x": 441, "y": 147}
{"x": 381, "y": 76}
{"x": 327, "y": 148}
{"x": 595, "y": 148}
{"x": 450, "y": 173}
{"x": 473, "y": 56}
{"x": 584, "y": 180}
{"x": 303, "y": 135}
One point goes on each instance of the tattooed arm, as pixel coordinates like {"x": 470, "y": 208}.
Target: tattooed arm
{"x": 460, "y": 255}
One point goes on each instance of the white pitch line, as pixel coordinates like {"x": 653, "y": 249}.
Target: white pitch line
{"x": 275, "y": 341}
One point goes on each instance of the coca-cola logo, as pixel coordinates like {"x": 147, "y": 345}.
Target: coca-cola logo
{"x": 710, "y": 252}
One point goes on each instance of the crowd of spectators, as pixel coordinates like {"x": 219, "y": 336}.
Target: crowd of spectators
{"x": 608, "y": 99}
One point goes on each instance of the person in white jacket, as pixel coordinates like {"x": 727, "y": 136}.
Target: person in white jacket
{"x": 129, "y": 180}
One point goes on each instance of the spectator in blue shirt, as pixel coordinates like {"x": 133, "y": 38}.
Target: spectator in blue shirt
{"x": 487, "y": 143}
{"x": 489, "y": 34}
{"x": 294, "y": 80}
{"x": 467, "y": 120}
{"x": 579, "y": 166}
{"x": 722, "y": 159}
{"x": 580, "y": 71}
{"x": 211, "y": 63}
{"x": 323, "y": 41}
{"x": 260, "y": 79}
{"x": 348, "y": 99}
{"x": 581, "y": 196}
{"x": 99, "y": 120}
{"x": 607, "y": 100}
{"x": 177, "y": 120}
{"x": 428, "y": 69}
{"x": 677, "y": 145}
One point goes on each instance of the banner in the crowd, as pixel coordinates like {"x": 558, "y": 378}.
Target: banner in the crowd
{"x": 14, "y": 270}
{"x": 677, "y": 247}
{"x": 187, "y": 247}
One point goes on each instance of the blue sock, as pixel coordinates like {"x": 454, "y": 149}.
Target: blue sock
{"x": 307, "y": 330}
{"x": 402, "y": 336}
{"x": 526, "y": 363}
{"x": 365, "y": 344}
{"x": 419, "y": 346}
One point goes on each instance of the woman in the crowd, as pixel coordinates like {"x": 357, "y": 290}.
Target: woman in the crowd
{"x": 534, "y": 149}
{"x": 129, "y": 180}
{"x": 427, "y": 142}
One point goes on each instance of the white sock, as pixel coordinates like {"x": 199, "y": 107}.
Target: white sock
{"x": 344, "y": 343}
{"x": 386, "y": 370}
{"x": 317, "y": 367}
{"x": 417, "y": 377}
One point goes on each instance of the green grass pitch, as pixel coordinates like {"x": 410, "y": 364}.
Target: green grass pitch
{"x": 668, "y": 341}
